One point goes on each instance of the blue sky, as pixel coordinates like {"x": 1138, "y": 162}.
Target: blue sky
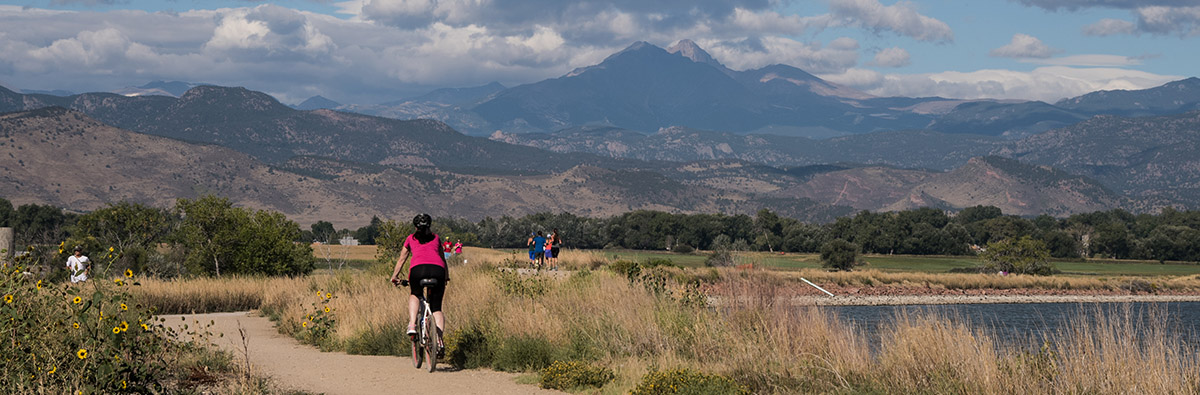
{"x": 370, "y": 51}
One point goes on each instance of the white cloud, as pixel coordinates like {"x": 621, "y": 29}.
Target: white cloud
{"x": 839, "y": 55}
{"x": 1024, "y": 46}
{"x": 1047, "y": 84}
{"x": 901, "y": 18}
{"x": 1092, "y": 60}
{"x": 1109, "y": 26}
{"x": 891, "y": 57}
{"x": 268, "y": 31}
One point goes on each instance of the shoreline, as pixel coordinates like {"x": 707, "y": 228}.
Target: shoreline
{"x": 903, "y": 300}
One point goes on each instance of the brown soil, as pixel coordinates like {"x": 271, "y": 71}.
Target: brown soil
{"x": 297, "y": 366}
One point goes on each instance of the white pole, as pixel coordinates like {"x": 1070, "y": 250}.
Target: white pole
{"x": 815, "y": 286}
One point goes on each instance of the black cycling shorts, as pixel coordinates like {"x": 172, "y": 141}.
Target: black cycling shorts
{"x": 419, "y": 272}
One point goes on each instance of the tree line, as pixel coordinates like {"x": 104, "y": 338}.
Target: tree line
{"x": 203, "y": 236}
{"x": 1171, "y": 235}
{"x": 207, "y": 231}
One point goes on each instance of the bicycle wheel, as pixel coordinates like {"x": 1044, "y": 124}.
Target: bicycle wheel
{"x": 431, "y": 341}
{"x": 418, "y": 352}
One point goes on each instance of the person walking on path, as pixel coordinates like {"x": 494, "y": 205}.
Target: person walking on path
{"x": 78, "y": 266}
{"x": 422, "y": 246}
{"x": 457, "y": 247}
{"x": 532, "y": 257}
{"x": 446, "y": 250}
{"x": 555, "y": 248}
{"x": 539, "y": 249}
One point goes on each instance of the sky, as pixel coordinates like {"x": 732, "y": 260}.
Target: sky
{"x": 373, "y": 51}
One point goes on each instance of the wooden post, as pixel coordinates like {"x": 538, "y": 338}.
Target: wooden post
{"x": 6, "y": 243}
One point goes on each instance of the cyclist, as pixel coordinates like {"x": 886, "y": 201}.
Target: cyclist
{"x": 427, "y": 262}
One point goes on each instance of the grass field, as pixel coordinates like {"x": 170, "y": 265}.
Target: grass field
{"x": 913, "y": 263}
{"x": 636, "y": 322}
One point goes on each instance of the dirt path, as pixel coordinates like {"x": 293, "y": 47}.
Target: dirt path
{"x": 301, "y": 367}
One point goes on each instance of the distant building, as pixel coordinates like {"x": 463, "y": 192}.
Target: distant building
{"x": 348, "y": 241}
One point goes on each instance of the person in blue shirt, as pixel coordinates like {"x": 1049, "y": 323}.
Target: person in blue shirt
{"x": 539, "y": 249}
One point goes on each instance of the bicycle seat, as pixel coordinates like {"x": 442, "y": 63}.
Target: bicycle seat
{"x": 429, "y": 282}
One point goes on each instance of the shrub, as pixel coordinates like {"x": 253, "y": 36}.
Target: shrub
{"x": 574, "y": 374}
{"x": 1022, "y": 256}
{"x": 468, "y": 348}
{"x": 629, "y": 269}
{"x": 91, "y": 337}
{"x": 686, "y": 381}
{"x": 683, "y": 249}
{"x": 840, "y": 254}
{"x": 522, "y": 353}
{"x": 719, "y": 258}
{"x": 218, "y": 237}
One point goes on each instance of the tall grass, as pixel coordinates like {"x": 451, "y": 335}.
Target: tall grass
{"x": 652, "y": 322}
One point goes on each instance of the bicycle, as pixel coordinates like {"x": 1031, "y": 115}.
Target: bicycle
{"x": 425, "y": 342}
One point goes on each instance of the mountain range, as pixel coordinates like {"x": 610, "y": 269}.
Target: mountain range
{"x": 645, "y": 88}
{"x": 564, "y": 146}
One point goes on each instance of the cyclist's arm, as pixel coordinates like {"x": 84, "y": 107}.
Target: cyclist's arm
{"x": 400, "y": 265}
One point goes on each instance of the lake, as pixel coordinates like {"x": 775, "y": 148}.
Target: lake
{"x": 1028, "y": 324}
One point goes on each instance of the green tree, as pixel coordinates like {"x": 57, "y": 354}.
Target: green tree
{"x": 367, "y": 234}
{"x": 132, "y": 230}
{"x": 1022, "y": 256}
{"x": 840, "y": 254}
{"x": 390, "y": 242}
{"x": 216, "y": 237}
{"x": 323, "y": 231}
{"x": 37, "y": 224}
{"x": 6, "y": 213}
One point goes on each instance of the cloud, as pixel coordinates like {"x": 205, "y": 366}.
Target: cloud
{"x": 1108, "y": 27}
{"x": 270, "y": 32}
{"x": 1024, "y": 46}
{"x": 1161, "y": 17}
{"x": 891, "y": 57}
{"x": 1089, "y": 61}
{"x": 901, "y": 18}
{"x": 88, "y": 3}
{"x": 1184, "y": 21}
{"x": 839, "y": 55}
{"x": 1073, "y": 5}
{"x": 1048, "y": 84}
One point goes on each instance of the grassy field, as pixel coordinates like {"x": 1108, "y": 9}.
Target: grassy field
{"x": 634, "y": 320}
{"x": 913, "y": 263}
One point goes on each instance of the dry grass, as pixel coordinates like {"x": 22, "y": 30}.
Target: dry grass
{"x": 770, "y": 347}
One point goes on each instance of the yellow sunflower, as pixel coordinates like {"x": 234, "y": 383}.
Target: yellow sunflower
{"x": 119, "y": 282}
{"x": 39, "y": 284}
{"x": 8, "y": 298}
{"x": 124, "y": 307}
{"x": 145, "y": 327}
{"x": 75, "y": 325}
{"x": 304, "y": 324}
{"x": 77, "y": 300}
{"x": 116, "y": 330}
{"x": 52, "y": 370}
{"x": 124, "y": 326}
{"x": 82, "y": 353}
{"x": 128, "y": 273}
{"x": 327, "y": 309}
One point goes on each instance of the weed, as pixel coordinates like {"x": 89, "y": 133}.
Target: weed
{"x": 575, "y": 374}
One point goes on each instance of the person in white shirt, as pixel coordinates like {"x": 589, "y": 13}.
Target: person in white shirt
{"x": 78, "y": 265}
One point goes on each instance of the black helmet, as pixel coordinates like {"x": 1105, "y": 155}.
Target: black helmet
{"x": 422, "y": 221}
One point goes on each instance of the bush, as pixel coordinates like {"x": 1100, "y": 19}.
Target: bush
{"x": 90, "y": 337}
{"x": 629, "y": 269}
{"x": 521, "y": 353}
{"x": 218, "y": 237}
{"x": 683, "y": 249}
{"x": 719, "y": 258}
{"x": 840, "y": 254}
{"x": 686, "y": 381}
{"x": 1022, "y": 256}
{"x": 574, "y": 374}
{"x": 468, "y": 348}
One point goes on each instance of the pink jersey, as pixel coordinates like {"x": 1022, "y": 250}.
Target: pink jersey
{"x": 425, "y": 254}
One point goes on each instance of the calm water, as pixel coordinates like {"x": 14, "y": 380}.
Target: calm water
{"x": 1026, "y": 325}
